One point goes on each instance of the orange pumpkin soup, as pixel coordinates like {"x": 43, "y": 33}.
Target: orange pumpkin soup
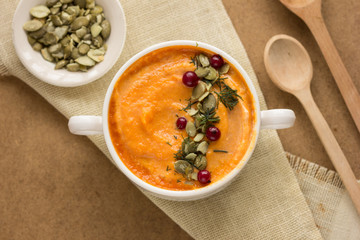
{"x": 145, "y": 104}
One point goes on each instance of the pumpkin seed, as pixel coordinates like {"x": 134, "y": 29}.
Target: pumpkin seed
{"x": 79, "y": 22}
{"x": 95, "y": 30}
{"x": 60, "y": 32}
{"x": 190, "y": 129}
{"x": 81, "y": 32}
{"x": 199, "y": 137}
{"x": 56, "y": 20}
{"x": 73, "y": 10}
{"x": 40, "y": 11}
{"x": 86, "y": 61}
{"x": 38, "y": 34}
{"x": 90, "y": 3}
{"x": 98, "y": 41}
{"x": 37, "y": 46}
{"x": 54, "y": 10}
{"x": 191, "y": 156}
{"x": 58, "y": 55}
{"x": 106, "y": 29}
{"x": 208, "y": 86}
{"x": 65, "y": 41}
{"x": 204, "y": 60}
{"x": 50, "y": 39}
{"x": 202, "y": 72}
{"x": 73, "y": 67}
{"x": 75, "y": 38}
{"x": 192, "y": 111}
{"x": 97, "y": 10}
{"x": 75, "y": 53}
{"x": 55, "y": 48}
{"x": 60, "y": 64}
{"x": 50, "y": 3}
{"x": 213, "y": 74}
{"x": 181, "y": 166}
{"x": 33, "y": 25}
{"x": 199, "y": 90}
{"x": 67, "y": 18}
{"x": 99, "y": 19}
{"x": 224, "y": 69}
{"x": 87, "y": 36}
{"x": 80, "y": 3}
{"x": 96, "y": 55}
{"x": 49, "y": 27}
{"x": 46, "y": 55}
{"x": 186, "y": 148}
{"x": 200, "y": 162}
{"x": 31, "y": 40}
{"x": 203, "y": 97}
{"x": 83, "y": 49}
{"x": 194, "y": 176}
{"x": 209, "y": 103}
{"x": 65, "y": 1}
{"x": 203, "y": 147}
{"x": 192, "y": 147}
{"x": 83, "y": 68}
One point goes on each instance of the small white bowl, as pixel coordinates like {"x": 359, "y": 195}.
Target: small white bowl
{"x": 44, "y": 70}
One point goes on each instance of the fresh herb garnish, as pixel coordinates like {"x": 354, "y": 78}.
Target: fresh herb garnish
{"x": 167, "y": 168}
{"x": 220, "y": 151}
{"x": 178, "y": 181}
{"x": 168, "y": 143}
{"x": 228, "y": 96}
{"x": 175, "y": 137}
{"x": 208, "y": 117}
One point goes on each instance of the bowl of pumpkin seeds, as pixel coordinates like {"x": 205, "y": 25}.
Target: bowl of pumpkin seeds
{"x": 69, "y": 43}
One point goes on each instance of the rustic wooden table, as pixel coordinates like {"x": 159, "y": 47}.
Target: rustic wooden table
{"x": 87, "y": 198}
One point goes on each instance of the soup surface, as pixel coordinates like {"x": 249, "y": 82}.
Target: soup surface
{"x": 145, "y": 105}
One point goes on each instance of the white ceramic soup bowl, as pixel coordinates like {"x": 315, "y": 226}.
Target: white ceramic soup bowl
{"x": 271, "y": 119}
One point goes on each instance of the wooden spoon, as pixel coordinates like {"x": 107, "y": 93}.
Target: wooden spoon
{"x": 289, "y": 67}
{"x": 310, "y": 12}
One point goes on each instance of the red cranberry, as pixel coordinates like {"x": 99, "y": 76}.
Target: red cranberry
{"x": 213, "y": 133}
{"x": 181, "y": 123}
{"x": 216, "y": 61}
{"x": 204, "y": 176}
{"x": 190, "y": 79}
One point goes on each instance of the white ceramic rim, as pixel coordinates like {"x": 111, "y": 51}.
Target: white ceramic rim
{"x": 33, "y": 60}
{"x": 197, "y": 193}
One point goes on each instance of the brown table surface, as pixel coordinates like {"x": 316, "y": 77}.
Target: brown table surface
{"x": 54, "y": 185}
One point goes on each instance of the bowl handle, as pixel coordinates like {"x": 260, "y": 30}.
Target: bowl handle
{"x": 277, "y": 119}
{"x": 85, "y": 125}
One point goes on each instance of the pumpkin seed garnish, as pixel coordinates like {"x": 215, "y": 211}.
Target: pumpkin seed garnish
{"x": 194, "y": 148}
{"x": 200, "y": 162}
{"x": 202, "y": 72}
{"x": 224, "y": 69}
{"x": 203, "y": 147}
{"x": 204, "y": 60}
{"x": 79, "y": 26}
{"x": 199, "y": 137}
{"x": 190, "y": 129}
{"x": 199, "y": 90}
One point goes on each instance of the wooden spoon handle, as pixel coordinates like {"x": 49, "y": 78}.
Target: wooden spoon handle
{"x": 312, "y": 16}
{"x": 332, "y": 147}
{"x": 342, "y": 78}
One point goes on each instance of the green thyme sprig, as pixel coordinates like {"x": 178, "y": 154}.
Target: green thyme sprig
{"x": 228, "y": 96}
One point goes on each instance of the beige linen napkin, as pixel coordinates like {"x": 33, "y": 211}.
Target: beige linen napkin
{"x": 265, "y": 201}
{"x": 334, "y": 213}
